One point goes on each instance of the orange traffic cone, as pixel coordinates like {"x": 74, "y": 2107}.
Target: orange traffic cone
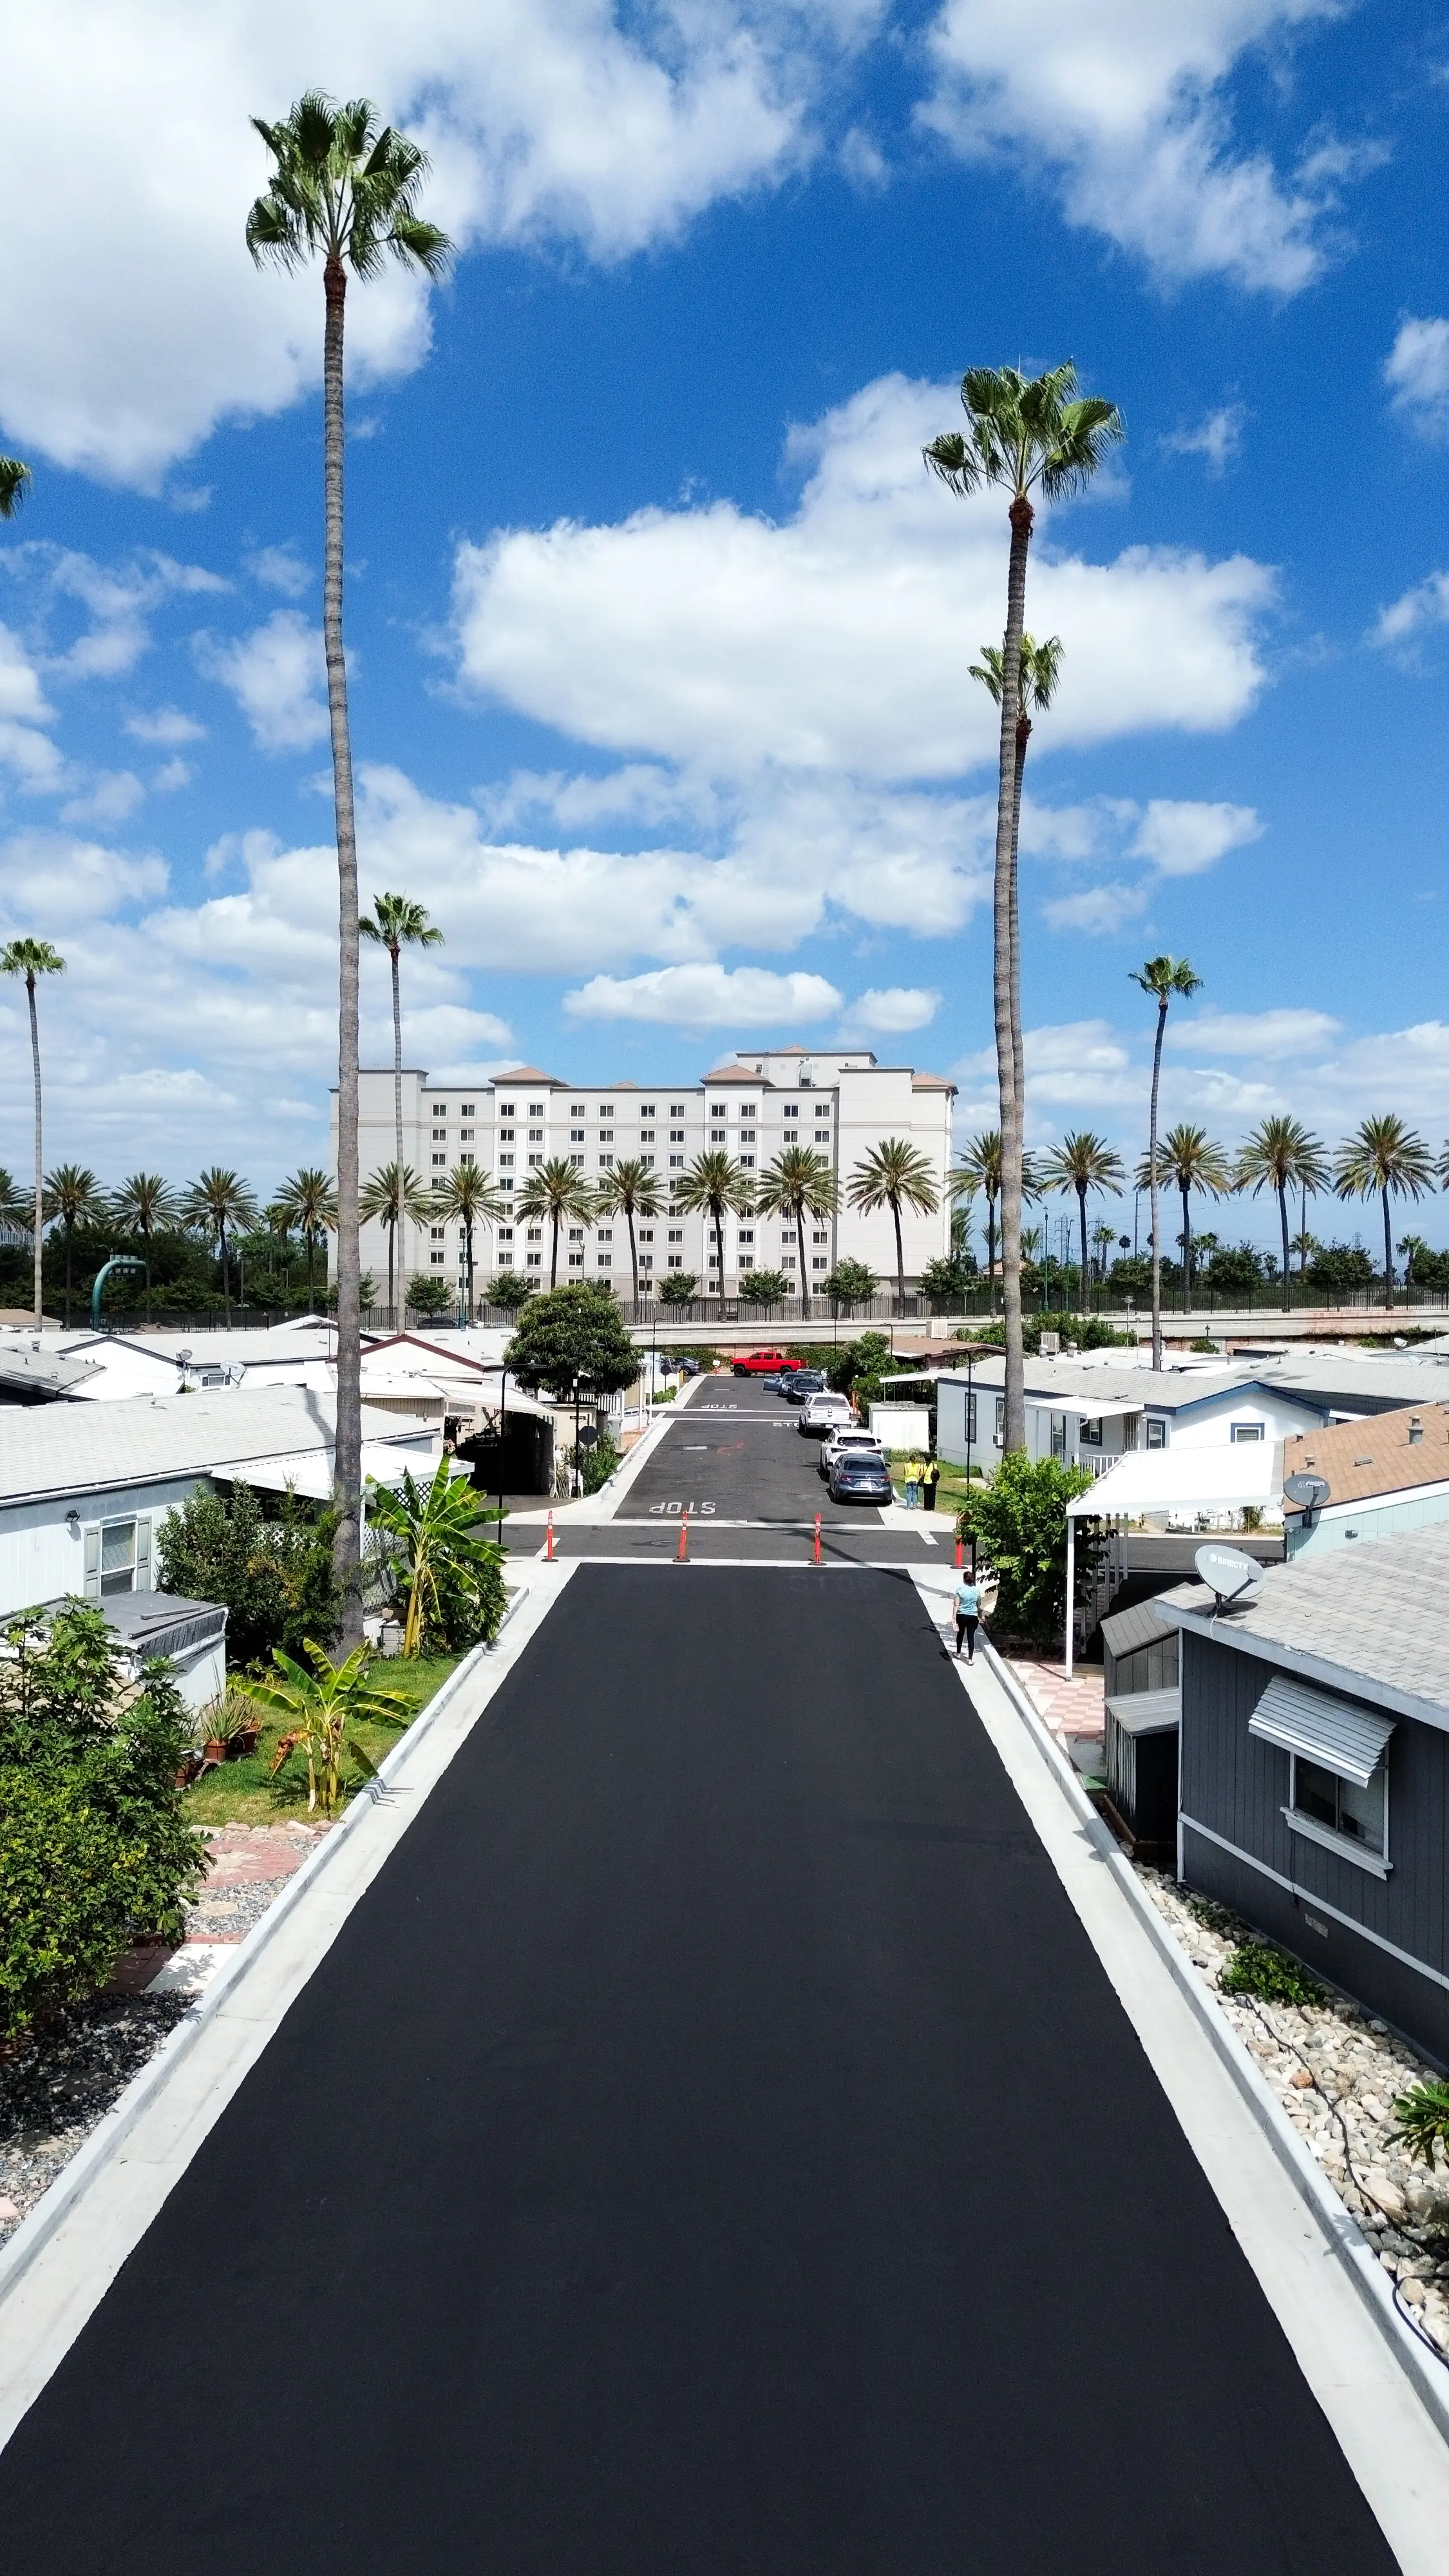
{"x": 683, "y": 1540}
{"x": 817, "y": 1538}
{"x": 548, "y": 1551}
{"x": 958, "y": 1552}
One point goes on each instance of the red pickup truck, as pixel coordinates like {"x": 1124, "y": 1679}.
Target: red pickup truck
{"x": 764, "y": 1364}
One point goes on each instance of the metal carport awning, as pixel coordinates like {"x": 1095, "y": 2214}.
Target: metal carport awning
{"x": 1146, "y": 1712}
{"x": 1345, "y": 1737}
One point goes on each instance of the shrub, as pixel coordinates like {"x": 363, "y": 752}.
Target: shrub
{"x": 597, "y": 1464}
{"x": 1019, "y": 1522}
{"x": 1421, "y": 2119}
{"x": 850, "y": 1283}
{"x": 510, "y": 1291}
{"x": 274, "y": 1576}
{"x": 677, "y": 1289}
{"x": 765, "y": 1288}
{"x": 1256, "y": 1969}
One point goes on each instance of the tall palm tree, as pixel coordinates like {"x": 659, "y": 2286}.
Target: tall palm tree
{"x": 395, "y": 1194}
{"x": 1104, "y": 1238}
{"x": 980, "y": 1169}
{"x": 141, "y": 1204}
{"x": 1187, "y": 1160}
{"x": 468, "y": 1196}
{"x": 896, "y": 1174}
{"x": 310, "y": 1202}
{"x": 1022, "y": 435}
{"x": 798, "y": 1184}
{"x": 395, "y": 923}
{"x": 557, "y": 1190}
{"x": 629, "y": 1191}
{"x": 71, "y": 1199}
{"x": 1083, "y": 1162}
{"x": 1280, "y": 1155}
{"x": 1384, "y": 1155}
{"x": 716, "y": 1187}
{"x": 15, "y": 481}
{"x": 33, "y": 958}
{"x": 219, "y": 1204}
{"x": 341, "y": 188}
{"x": 1162, "y": 977}
{"x": 1041, "y": 666}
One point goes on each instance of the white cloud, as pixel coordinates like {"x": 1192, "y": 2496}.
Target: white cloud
{"x": 547, "y": 120}
{"x": 56, "y": 878}
{"x": 892, "y": 1010}
{"x": 280, "y": 568}
{"x": 119, "y": 599}
{"x": 166, "y": 726}
{"x": 1416, "y": 372}
{"x": 1397, "y": 629}
{"x": 171, "y": 775}
{"x": 1184, "y": 838}
{"x": 1271, "y": 1035}
{"x": 836, "y": 641}
{"x": 1218, "y": 438}
{"x": 23, "y": 710}
{"x": 1123, "y": 103}
{"x": 706, "y": 997}
{"x": 1098, "y": 910}
{"x": 276, "y": 675}
{"x": 114, "y": 794}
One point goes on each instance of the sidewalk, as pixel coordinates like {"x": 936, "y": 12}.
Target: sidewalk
{"x": 1072, "y": 1709}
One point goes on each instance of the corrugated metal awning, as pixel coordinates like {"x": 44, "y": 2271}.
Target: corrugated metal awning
{"x": 1146, "y": 1712}
{"x": 1142, "y": 1625}
{"x": 1339, "y": 1733}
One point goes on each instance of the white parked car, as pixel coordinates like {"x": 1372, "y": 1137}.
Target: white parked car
{"x": 824, "y": 1412}
{"x": 847, "y": 1435}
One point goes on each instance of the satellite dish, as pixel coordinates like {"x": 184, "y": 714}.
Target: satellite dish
{"x": 1231, "y": 1575}
{"x": 1307, "y": 1492}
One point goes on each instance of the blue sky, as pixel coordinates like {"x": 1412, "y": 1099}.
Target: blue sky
{"x": 660, "y": 632}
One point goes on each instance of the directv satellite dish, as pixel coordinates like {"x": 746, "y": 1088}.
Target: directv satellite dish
{"x": 1231, "y": 1575}
{"x": 1306, "y": 1492}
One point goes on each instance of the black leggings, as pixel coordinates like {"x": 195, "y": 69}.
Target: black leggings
{"x": 966, "y": 1627}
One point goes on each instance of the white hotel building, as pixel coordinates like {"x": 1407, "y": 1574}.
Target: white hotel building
{"x": 842, "y": 1105}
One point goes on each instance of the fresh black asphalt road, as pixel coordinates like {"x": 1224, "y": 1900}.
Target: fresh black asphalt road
{"x": 736, "y": 1453}
{"x": 710, "y": 2148}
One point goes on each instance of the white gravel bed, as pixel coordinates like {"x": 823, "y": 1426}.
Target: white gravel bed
{"x": 1337, "y": 2073}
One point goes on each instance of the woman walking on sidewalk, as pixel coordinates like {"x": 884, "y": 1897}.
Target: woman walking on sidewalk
{"x": 966, "y": 1603}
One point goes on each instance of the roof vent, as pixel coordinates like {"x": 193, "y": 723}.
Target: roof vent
{"x": 1416, "y": 1429}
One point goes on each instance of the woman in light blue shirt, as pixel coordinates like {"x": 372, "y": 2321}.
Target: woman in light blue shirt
{"x": 966, "y": 1603}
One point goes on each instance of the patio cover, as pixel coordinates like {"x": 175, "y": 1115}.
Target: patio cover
{"x": 1218, "y": 1479}
{"x": 309, "y": 1471}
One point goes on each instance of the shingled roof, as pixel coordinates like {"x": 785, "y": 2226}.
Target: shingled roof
{"x": 1386, "y": 1454}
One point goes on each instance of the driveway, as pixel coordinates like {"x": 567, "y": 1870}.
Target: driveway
{"x": 711, "y": 2148}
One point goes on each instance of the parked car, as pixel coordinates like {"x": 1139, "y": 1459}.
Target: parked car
{"x": 823, "y": 1412}
{"x": 860, "y": 1476}
{"x": 803, "y": 1383}
{"x": 847, "y": 1435}
{"x": 764, "y": 1364}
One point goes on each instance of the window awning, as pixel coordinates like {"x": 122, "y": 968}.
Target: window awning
{"x": 1146, "y": 1712}
{"x": 1340, "y": 1734}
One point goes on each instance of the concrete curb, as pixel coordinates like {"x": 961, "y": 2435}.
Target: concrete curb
{"x": 35, "y": 2231}
{"x": 1337, "y": 2226}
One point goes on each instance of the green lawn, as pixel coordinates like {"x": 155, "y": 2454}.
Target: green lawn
{"x": 241, "y": 1793}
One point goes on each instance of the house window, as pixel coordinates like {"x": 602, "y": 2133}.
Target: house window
{"x": 1059, "y": 1435}
{"x": 1091, "y": 1434}
{"x": 1156, "y": 1434}
{"x": 117, "y": 1558}
{"x": 1000, "y": 1418}
{"x": 1360, "y": 1815}
{"x": 1240, "y": 1431}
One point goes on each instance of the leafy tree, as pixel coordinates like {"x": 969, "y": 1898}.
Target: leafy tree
{"x": 1020, "y": 435}
{"x": 317, "y": 1708}
{"x": 715, "y": 1187}
{"x": 858, "y": 1367}
{"x": 1337, "y": 1268}
{"x": 310, "y": 1202}
{"x": 341, "y": 188}
{"x": 32, "y": 958}
{"x": 1384, "y": 1156}
{"x": 559, "y": 1194}
{"x": 766, "y": 1288}
{"x": 71, "y": 1199}
{"x": 430, "y": 1296}
{"x": 1162, "y": 978}
{"x": 395, "y": 923}
{"x": 573, "y": 1336}
{"x": 1083, "y": 1162}
{"x": 945, "y": 1284}
{"x": 509, "y": 1291}
{"x": 396, "y": 1195}
{"x": 798, "y": 1184}
{"x": 275, "y": 1577}
{"x": 1280, "y": 1155}
{"x": 894, "y": 1174}
{"x": 1234, "y": 1268}
{"x": 630, "y": 1190}
{"x": 220, "y": 1203}
{"x": 677, "y": 1288}
{"x": 851, "y": 1284}
{"x": 142, "y": 1205}
{"x": 1019, "y": 1521}
{"x": 448, "y": 1583}
{"x": 1039, "y": 673}
{"x": 1423, "y": 1268}
{"x": 469, "y": 1197}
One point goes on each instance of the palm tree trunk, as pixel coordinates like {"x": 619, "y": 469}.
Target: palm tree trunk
{"x": 393, "y": 960}
{"x": 1283, "y": 1213}
{"x": 900, "y": 1260}
{"x": 347, "y": 1454}
{"x": 1014, "y": 1416}
{"x": 633, "y": 1255}
{"x": 311, "y": 1271}
{"x": 1154, "y": 1195}
{"x": 719, "y": 1255}
{"x": 146, "y": 1239}
{"x": 991, "y": 1251}
{"x": 225, "y": 1282}
{"x": 1018, "y": 1046}
{"x": 1388, "y": 1252}
{"x": 1082, "y": 1212}
{"x": 468, "y": 1241}
{"x": 1186, "y": 1251}
{"x": 69, "y": 1249}
{"x": 391, "y": 1274}
{"x": 38, "y": 1218}
{"x": 553, "y": 1264}
{"x": 800, "y": 1240}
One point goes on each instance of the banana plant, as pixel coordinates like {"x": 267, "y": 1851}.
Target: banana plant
{"x": 453, "y": 1581}
{"x": 317, "y": 1708}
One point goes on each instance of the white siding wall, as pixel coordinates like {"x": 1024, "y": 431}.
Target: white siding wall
{"x": 40, "y": 1559}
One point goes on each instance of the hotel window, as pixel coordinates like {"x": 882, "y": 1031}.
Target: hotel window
{"x": 676, "y": 1135}
{"x": 117, "y": 1558}
{"x": 747, "y": 1234}
{"x": 646, "y": 1135}
{"x": 468, "y": 1160}
{"x": 505, "y": 1162}
{"x": 820, "y": 1262}
{"x": 606, "y": 1234}
{"x": 606, "y": 1109}
{"x": 606, "y": 1261}
{"x": 534, "y": 1260}
{"x": 676, "y": 1162}
{"x": 440, "y": 1109}
{"x": 676, "y": 1261}
{"x": 535, "y": 1162}
{"x": 505, "y": 1109}
{"x": 576, "y": 1234}
{"x": 578, "y": 1109}
{"x": 714, "y": 1261}
{"x": 747, "y": 1261}
{"x": 467, "y": 1134}
{"x": 676, "y": 1234}
{"x": 535, "y": 1109}
{"x": 535, "y": 1234}
{"x": 535, "y": 1135}
{"x": 606, "y": 1162}
{"x": 440, "y": 1161}
{"x": 576, "y": 1135}
{"x": 438, "y": 1233}
{"x": 820, "y": 1236}
{"x": 606, "y": 1137}
{"x": 787, "y": 1260}
{"x": 647, "y": 1109}
{"x": 646, "y": 1260}
{"x": 648, "y": 1162}
{"x": 505, "y": 1234}
{"x": 646, "y": 1233}
{"x": 468, "y": 1109}
{"x": 507, "y": 1135}
{"x": 747, "y": 1162}
{"x": 437, "y": 1259}
{"x": 577, "y": 1161}
{"x": 676, "y": 1108}
{"x": 792, "y": 1108}
{"x": 576, "y": 1261}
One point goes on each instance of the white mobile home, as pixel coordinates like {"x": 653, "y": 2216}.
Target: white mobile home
{"x": 1090, "y": 1414}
